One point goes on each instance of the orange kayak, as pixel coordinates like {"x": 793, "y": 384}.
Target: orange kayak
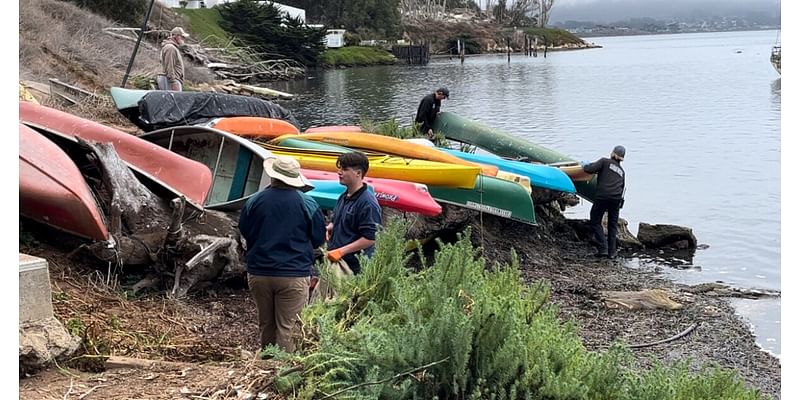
{"x": 389, "y": 145}
{"x": 254, "y": 126}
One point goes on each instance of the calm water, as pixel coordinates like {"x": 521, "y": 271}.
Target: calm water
{"x": 699, "y": 114}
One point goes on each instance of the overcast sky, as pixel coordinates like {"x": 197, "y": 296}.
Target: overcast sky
{"x": 616, "y": 10}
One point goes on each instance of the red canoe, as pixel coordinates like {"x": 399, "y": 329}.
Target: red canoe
{"x": 179, "y": 175}
{"x": 52, "y": 189}
{"x": 334, "y": 128}
{"x": 401, "y": 195}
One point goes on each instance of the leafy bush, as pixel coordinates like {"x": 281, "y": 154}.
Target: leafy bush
{"x": 262, "y": 26}
{"x": 552, "y": 36}
{"x": 461, "y": 330}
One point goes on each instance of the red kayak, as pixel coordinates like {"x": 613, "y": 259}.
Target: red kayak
{"x": 53, "y": 191}
{"x": 179, "y": 175}
{"x": 334, "y": 128}
{"x": 400, "y": 195}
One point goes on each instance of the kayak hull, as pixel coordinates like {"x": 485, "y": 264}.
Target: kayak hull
{"x": 503, "y": 144}
{"x": 53, "y": 191}
{"x": 400, "y": 195}
{"x": 391, "y": 145}
{"x": 542, "y": 176}
{"x": 493, "y": 196}
{"x": 389, "y": 167}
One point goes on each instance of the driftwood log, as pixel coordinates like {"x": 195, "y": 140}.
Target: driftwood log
{"x": 183, "y": 247}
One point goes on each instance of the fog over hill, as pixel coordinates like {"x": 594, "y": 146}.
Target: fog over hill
{"x": 620, "y": 10}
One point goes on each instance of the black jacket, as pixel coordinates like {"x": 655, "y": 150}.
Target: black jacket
{"x": 426, "y": 112}
{"x": 610, "y": 178}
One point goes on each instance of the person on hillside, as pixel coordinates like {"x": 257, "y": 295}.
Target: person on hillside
{"x": 429, "y": 108}
{"x": 172, "y": 61}
{"x": 281, "y": 227}
{"x": 356, "y": 216}
{"x": 608, "y": 198}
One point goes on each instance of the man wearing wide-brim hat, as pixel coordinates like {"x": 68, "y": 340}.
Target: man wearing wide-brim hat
{"x": 281, "y": 226}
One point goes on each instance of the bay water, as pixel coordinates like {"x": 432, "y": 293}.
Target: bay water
{"x": 699, "y": 115}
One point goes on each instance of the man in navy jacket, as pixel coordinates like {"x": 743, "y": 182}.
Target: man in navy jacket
{"x": 281, "y": 226}
{"x": 357, "y": 215}
{"x": 608, "y": 198}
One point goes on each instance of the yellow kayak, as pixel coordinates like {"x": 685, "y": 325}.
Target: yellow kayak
{"x": 389, "y": 167}
{"x": 389, "y": 145}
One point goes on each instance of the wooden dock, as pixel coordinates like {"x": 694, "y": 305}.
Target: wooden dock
{"x": 412, "y": 54}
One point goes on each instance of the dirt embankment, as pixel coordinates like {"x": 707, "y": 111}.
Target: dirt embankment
{"x": 212, "y": 335}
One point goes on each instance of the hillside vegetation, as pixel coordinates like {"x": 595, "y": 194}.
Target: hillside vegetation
{"x": 58, "y": 39}
{"x": 204, "y": 26}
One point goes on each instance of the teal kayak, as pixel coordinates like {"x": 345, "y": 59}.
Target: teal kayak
{"x": 503, "y": 144}
{"x": 296, "y": 143}
{"x": 127, "y": 98}
{"x": 543, "y": 176}
{"x": 490, "y": 195}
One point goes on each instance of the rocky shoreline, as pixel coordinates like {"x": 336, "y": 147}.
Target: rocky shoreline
{"x": 214, "y": 330}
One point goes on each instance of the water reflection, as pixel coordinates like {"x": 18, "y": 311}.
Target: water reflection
{"x": 776, "y": 93}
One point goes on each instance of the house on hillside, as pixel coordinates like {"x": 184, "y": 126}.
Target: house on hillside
{"x": 289, "y": 11}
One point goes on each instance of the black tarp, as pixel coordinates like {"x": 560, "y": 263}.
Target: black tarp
{"x": 164, "y": 109}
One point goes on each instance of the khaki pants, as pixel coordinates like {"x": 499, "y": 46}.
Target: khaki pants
{"x": 165, "y": 83}
{"x": 279, "y": 300}
{"x": 324, "y": 291}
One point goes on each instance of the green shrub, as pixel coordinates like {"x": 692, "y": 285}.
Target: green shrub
{"x": 461, "y": 330}
{"x": 553, "y": 36}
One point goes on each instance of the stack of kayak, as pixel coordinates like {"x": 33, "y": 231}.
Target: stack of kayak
{"x": 488, "y": 184}
{"x": 463, "y": 130}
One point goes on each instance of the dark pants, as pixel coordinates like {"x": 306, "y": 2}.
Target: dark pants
{"x": 279, "y": 300}
{"x": 600, "y": 207}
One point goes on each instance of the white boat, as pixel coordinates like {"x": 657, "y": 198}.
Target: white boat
{"x": 775, "y": 58}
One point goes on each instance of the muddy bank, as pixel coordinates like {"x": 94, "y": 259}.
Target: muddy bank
{"x": 212, "y": 334}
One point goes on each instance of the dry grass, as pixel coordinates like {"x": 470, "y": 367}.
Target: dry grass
{"x": 57, "y": 39}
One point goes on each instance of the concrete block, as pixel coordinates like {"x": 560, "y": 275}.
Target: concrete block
{"x": 35, "y": 298}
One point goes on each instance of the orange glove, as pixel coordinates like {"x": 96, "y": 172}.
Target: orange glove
{"x": 335, "y": 255}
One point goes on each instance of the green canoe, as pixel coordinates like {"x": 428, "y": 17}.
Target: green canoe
{"x": 490, "y": 195}
{"x": 503, "y": 144}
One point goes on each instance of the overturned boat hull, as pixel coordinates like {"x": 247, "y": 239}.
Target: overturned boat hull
{"x": 52, "y": 189}
{"x": 166, "y": 170}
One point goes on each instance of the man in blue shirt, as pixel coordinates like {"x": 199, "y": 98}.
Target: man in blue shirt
{"x": 356, "y": 216}
{"x": 281, "y": 226}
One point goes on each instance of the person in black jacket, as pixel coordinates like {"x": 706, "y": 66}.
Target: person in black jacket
{"x": 609, "y": 198}
{"x": 428, "y": 110}
{"x": 281, "y": 227}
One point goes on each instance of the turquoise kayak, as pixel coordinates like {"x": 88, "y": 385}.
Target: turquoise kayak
{"x": 127, "y": 98}
{"x": 503, "y": 144}
{"x": 543, "y": 176}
